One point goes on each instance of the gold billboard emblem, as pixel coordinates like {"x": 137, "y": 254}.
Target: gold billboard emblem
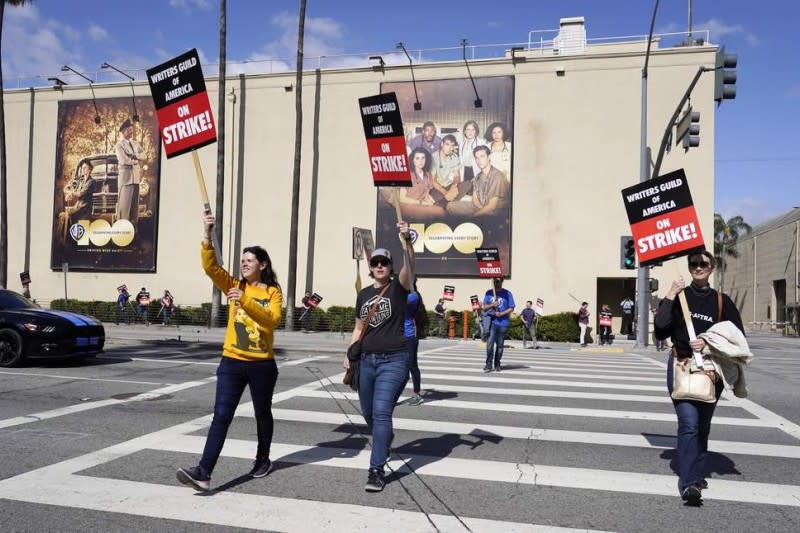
{"x": 467, "y": 237}
{"x": 438, "y": 238}
{"x": 122, "y": 232}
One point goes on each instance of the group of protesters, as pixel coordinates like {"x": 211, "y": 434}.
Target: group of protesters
{"x": 383, "y": 352}
{"x": 140, "y": 304}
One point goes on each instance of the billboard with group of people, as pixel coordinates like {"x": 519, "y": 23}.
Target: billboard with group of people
{"x": 460, "y": 161}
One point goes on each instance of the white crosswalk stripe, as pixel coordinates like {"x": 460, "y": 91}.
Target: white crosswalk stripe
{"x": 565, "y": 397}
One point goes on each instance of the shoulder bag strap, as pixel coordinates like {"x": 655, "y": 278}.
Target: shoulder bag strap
{"x": 719, "y": 306}
{"x": 372, "y": 311}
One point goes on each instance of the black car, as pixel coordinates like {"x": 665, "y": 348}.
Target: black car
{"x": 27, "y": 330}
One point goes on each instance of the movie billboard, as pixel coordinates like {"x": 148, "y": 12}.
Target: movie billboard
{"x": 106, "y": 194}
{"x": 460, "y": 161}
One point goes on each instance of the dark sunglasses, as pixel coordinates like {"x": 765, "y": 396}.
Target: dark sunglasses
{"x": 699, "y": 264}
{"x": 379, "y": 261}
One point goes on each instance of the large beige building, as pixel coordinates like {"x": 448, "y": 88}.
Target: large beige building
{"x": 576, "y": 116}
{"x": 764, "y": 279}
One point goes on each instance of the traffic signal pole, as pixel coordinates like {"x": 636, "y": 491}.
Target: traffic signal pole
{"x": 644, "y": 175}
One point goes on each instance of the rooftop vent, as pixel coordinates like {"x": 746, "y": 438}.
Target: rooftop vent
{"x": 571, "y": 39}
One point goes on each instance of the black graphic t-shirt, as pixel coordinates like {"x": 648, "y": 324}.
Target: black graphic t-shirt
{"x": 385, "y": 330}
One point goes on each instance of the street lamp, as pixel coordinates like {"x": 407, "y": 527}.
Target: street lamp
{"x": 67, "y": 68}
{"x": 135, "y": 116}
{"x": 478, "y": 102}
{"x": 417, "y": 104}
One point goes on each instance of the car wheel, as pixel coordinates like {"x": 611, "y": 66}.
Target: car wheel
{"x": 10, "y": 348}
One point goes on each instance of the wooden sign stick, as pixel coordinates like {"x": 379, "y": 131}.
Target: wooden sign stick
{"x": 404, "y": 242}
{"x": 201, "y": 182}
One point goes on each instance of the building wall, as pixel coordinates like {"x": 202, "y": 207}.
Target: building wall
{"x": 763, "y": 259}
{"x": 576, "y": 145}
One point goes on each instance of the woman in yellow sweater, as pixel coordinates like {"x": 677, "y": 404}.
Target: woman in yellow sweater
{"x": 254, "y": 310}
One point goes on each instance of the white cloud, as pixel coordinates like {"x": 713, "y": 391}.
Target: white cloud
{"x": 189, "y": 5}
{"x": 96, "y": 33}
{"x": 41, "y": 47}
{"x": 322, "y": 37}
{"x": 718, "y": 29}
{"x": 753, "y": 210}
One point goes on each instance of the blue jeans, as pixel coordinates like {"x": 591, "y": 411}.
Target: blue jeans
{"x": 232, "y": 378}
{"x": 412, "y": 345}
{"x": 694, "y": 425}
{"x": 382, "y": 378}
{"x": 497, "y": 336}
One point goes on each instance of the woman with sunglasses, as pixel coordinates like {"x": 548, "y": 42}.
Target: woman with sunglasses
{"x": 248, "y": 360}
{"x": 694, "y": 417}
{"x": 384, "y": 355}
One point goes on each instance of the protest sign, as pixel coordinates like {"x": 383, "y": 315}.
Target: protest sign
{"x": 538, "y": 308}
{"x": 314, "y": 300}
{"x": 386, "y": 143}
{"x": 663, "y": 220}
{"x": 182, "y": 106}
{"x": 449, "y": 293}
{"x": 475, "y": 302}
{"x": 184, "y": 115}
{"x": 489, "y": 263}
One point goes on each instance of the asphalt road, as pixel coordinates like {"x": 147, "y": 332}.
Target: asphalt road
{"x": 561, "y": 438}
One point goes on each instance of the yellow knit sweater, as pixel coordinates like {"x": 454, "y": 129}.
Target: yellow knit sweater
{"x": 252, "y": 321}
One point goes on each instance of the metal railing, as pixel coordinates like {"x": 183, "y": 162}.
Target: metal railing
{"x": 361, "y": 59}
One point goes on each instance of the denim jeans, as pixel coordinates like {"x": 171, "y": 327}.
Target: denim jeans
{"x": 382, "y": 378}
{"x": 232, "y": 378}
{"x": 412, "y": 345}
{"x": 694, "y": 425}
{"x": 497, "y": 336}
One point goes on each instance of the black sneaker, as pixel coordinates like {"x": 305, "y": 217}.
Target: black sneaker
{"x": 195, "y": 477}
{"x": 261, "y": 467}
{"x": 692, "y": 495}
{"x": 487, "y": 368}
{"x": 415, "y": 400}
{"x": 704, "y": 485}
{"x": 375, "y": 482}
{"x": 497, "y": 368}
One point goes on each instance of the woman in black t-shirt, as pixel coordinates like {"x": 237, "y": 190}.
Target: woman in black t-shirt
{"x": 384, "y": 358}
{"x": 694, "y": 418}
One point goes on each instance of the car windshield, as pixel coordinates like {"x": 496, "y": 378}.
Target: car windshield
{"x": 12, "y": 300}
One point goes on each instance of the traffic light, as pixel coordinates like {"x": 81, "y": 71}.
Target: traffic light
{"x": 688, "y": 129}
{"x": 627, "y": 253}
{"x": 724, "y": 76}
{"x": 692, "y": 137}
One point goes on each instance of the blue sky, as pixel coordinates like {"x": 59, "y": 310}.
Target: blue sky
{"x": 758, "y": 145}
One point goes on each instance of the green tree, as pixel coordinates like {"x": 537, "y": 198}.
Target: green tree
{"x": 3, "y": 177}
{"x": 726, "y": 234}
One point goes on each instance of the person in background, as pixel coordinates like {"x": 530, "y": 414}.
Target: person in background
{"x": 167, "y": 305}
{"x": 528, "y": 316}
{"x": 412, "y": 331}
{"x": 254, "y": 302}
{"x": 469, "y": 142}
{"x": 305, "y": 318}
{"x": 583, "y": 321}
{"x": 122, "y": 304}
{"x": 605, "y": 324}
{"x": 661, "y": 344}
{"x": 439, "y": 311}
{"x": 694, "y": 417}
{"x": 142, "y": 302}
{"x": 499, "y": 303}
{"x": 627, "y": 306}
